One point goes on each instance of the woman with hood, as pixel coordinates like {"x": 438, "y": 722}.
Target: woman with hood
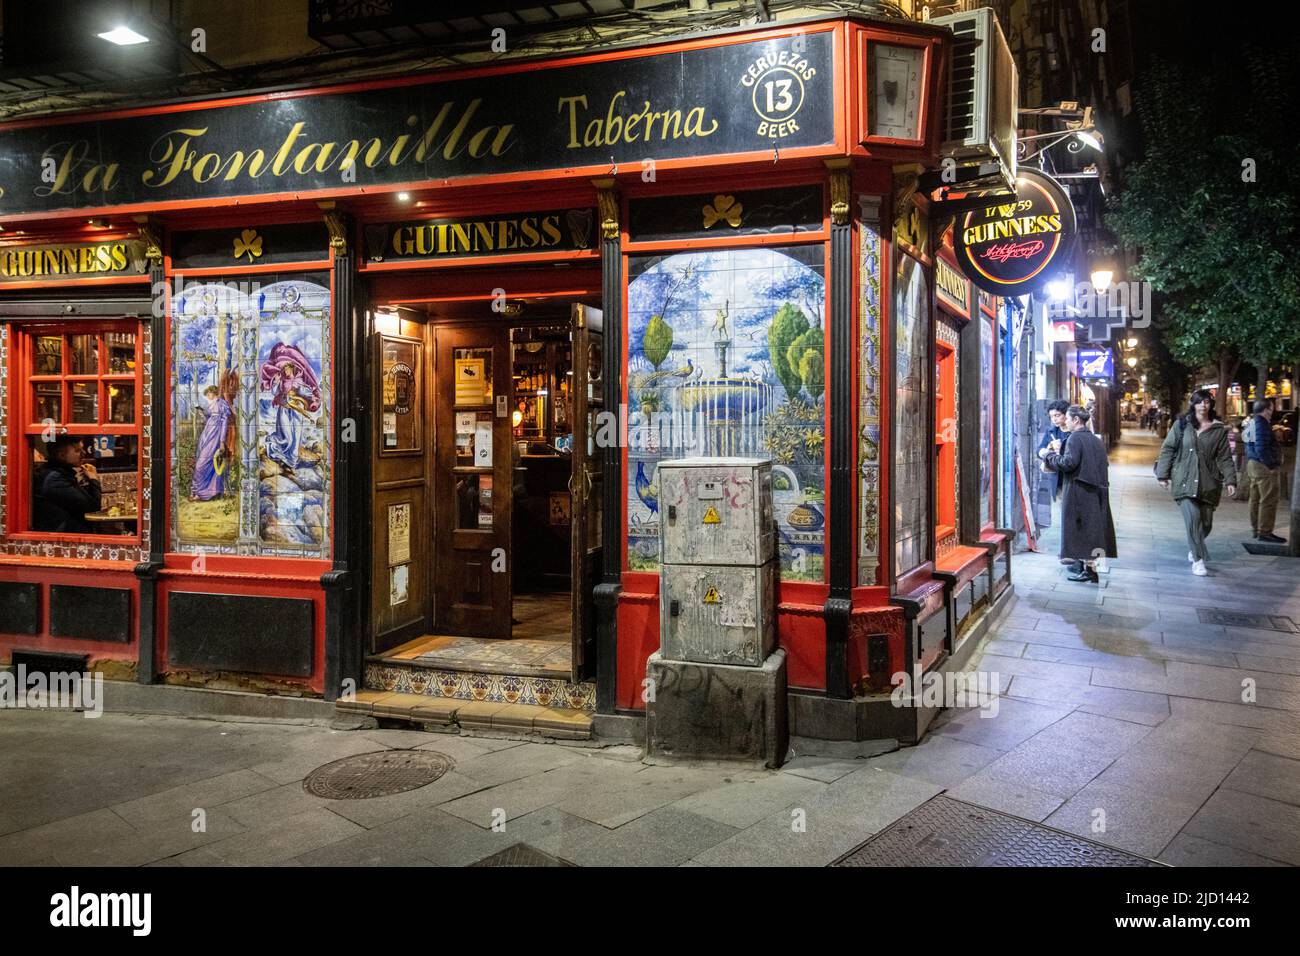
{"x": 1087, "y": 528}
{"x": 1196, "y": 462}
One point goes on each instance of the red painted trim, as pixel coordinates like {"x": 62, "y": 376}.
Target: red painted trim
{"x": 208, "y": 272}
{"x": 461, "y": 262}
{"x": 92, "y": 281}
{"x": 828, "y": 25}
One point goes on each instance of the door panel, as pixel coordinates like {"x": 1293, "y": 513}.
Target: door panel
{"x": 472, "y": 481}
{"x": 399, "y": 549}
{"x": 586, "y": 484}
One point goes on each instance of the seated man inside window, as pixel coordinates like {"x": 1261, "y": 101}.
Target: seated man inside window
{"x": 67, "y": 488}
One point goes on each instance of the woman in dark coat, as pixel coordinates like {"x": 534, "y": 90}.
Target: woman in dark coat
{"x": 1087, "y": 529}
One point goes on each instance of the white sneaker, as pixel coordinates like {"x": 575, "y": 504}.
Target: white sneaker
{"x": 1198, "y": 569}
{"x": 1191, "y": 557}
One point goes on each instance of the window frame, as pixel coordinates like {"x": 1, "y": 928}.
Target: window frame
{"x": 23, "y": 423}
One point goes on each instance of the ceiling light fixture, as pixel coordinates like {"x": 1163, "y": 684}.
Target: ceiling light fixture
{"x": 123, "y": 36}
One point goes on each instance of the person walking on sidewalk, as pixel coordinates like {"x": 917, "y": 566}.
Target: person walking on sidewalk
{"x": 1195, "y": 462}
{"x": 1263, "y": 472}
{"x": 1087, "y": 527}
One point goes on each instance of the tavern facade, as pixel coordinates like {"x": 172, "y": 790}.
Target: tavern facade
{"x": 347, "y": 359}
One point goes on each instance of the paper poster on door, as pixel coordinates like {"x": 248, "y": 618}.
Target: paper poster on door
{"x": 398, "y": 581}
{"x": 399, "y": 533}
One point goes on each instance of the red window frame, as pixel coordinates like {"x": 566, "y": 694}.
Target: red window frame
{"x": 23, "y": 422}
{"x": 945, "y": 441}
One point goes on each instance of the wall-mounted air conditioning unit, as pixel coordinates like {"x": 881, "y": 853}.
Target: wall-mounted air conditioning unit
{"x": 983, "y": 92}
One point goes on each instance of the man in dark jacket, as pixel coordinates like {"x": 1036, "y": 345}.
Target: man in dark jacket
{"x": 1055, "y": 433}
{"x": 67, "y": 489}
{"x": 1087, "y": 528}
{"x": 1263, "y": 471}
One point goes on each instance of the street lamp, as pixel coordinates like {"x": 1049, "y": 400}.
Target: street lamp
{"x": 1131, "y": 342}
{"x": 1131, "y": 361}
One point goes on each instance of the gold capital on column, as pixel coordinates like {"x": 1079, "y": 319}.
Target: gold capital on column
{"x": 149, "y": 234}
{"x": 840, "y": 181}
{"x": 607, "y": 201}
{"x": 337, "y": 226}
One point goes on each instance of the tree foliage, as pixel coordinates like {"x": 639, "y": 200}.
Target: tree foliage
{"x": 788, "y": 324}
{"x": 1218, "y": 248}
{"x": 657, "y": 341}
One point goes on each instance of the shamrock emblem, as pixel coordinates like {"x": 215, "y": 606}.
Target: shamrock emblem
{"x": 248, "y": 244}
{"x": 724, "y": 207}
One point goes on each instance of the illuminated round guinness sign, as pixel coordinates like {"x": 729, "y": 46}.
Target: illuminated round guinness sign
{"x": 1009, "y": 247}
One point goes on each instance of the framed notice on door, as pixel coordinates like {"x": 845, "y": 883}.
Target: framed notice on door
{"x": 399, "y": 382}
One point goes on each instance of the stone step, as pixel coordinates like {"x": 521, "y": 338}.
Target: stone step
{"x": 558, "y": 722}
{"x": 459, "y": 686}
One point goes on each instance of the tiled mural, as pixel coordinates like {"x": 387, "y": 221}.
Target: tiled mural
{"x": 726, "y": 357}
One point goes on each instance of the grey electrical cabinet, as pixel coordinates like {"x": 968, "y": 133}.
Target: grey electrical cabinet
{"x": 716, "y": 511}
{"x": 719, "y": 567}
{"x": 718, "y": 614}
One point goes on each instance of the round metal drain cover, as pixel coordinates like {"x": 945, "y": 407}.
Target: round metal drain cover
{"x": 378, "y": 774}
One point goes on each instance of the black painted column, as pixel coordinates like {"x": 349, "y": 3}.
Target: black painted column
{"x": 840, "y": 398}
{"x": 344, "y": 594}
{"x": 611, "y": 532}
{"x": 147, "y": 571}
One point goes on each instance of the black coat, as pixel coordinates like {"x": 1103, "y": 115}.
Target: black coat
{"x": 62, "y": 502}
{"x": 1087, "y": 528}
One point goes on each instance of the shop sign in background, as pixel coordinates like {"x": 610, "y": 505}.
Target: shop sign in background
{"x": 738, "y": 98}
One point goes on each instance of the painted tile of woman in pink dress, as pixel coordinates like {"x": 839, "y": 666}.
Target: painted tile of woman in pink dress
{"x": 295, "y": 394}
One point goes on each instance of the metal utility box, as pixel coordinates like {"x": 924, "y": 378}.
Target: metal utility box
{"x": 716, "y": 614}
{"x": 716, "y": 511}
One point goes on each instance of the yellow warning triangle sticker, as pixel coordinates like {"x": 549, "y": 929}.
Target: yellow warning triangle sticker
{"x": 711, "y": 516}
{"x": 711, "y": 595}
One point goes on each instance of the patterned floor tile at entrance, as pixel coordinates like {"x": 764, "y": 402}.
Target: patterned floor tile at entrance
{"x": 947, "y": 832}
{"x": 492, "y": 688}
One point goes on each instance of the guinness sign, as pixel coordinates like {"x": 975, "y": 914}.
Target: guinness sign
{"x": 25, "y": 263}
{"x": 566, "y": 230}
{"x": 1007, "y": 248}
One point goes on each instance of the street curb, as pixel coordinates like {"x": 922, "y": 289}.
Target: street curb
{"x": 128, "y": 697}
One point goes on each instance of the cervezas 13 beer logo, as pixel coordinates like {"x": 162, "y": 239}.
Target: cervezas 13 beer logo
{"x": 777, "y": 84}
{"x": 1009, "y": 247}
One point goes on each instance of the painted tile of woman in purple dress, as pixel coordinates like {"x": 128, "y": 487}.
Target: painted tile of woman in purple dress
{"x": 295, "y": 394}
{"x": 216, "y": 447}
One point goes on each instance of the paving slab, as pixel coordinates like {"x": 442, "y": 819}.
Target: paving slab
{"x": 1255, "y": 824}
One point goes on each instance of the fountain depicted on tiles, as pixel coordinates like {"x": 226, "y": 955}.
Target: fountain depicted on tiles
{"x": 722, "y": 416}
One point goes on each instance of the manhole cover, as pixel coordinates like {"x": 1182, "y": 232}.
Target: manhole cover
{"x": 1266, "y": 622}
{"x": 521, "y": 854}
{"x": 377, "y": 774}
{"x": 947, "y": 832}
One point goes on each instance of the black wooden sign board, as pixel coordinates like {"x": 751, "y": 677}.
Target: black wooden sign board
{"x": 741, "y": 98}
{"x": 561, "y": 230}
{"x": 761, "y": 212}
{"x": 250, "y": 246}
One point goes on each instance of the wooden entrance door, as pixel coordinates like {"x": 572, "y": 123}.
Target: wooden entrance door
{"x": 586, "y": 484}
{"x": 474, "y": 470}
{"x": 399, "y": 539}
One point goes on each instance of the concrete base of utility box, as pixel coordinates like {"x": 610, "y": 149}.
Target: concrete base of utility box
{"x": 718, "y": 711}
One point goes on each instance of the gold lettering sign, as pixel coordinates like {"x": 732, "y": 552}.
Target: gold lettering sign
{"x": 953, "y": 285}
{"x": 22, "y": 263}
{"x": 496, "y": 235}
